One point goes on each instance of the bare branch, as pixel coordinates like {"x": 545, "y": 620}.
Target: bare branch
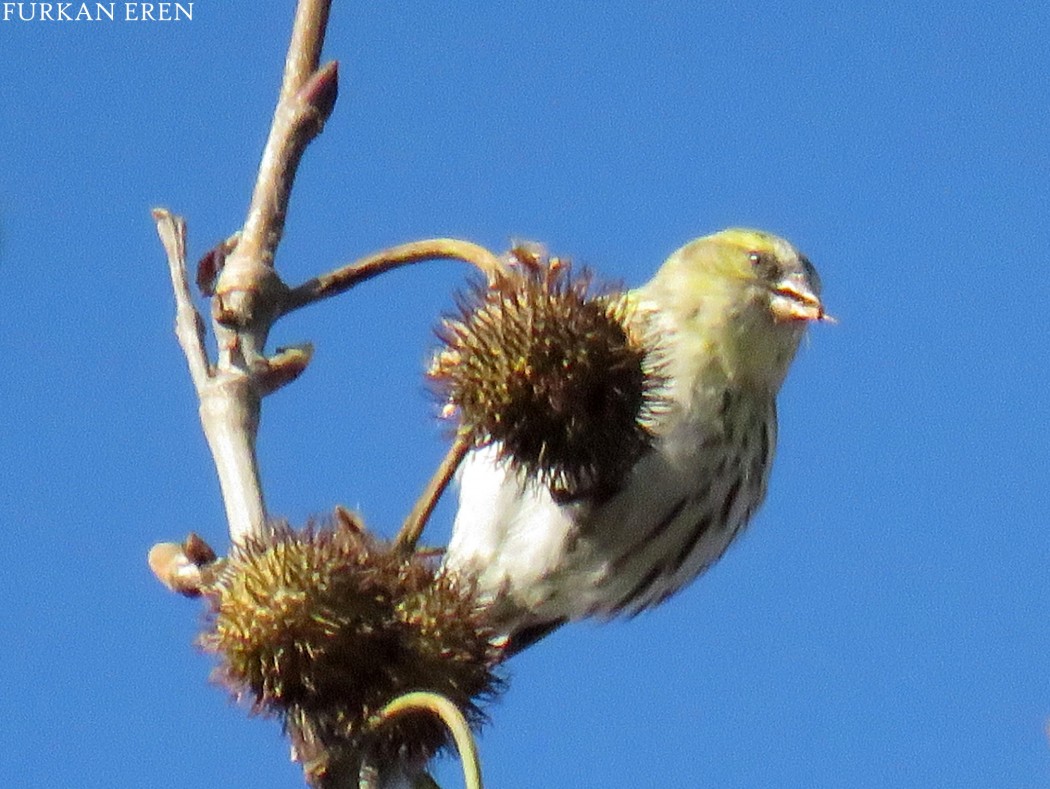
{"x": 229, "y": 399}
{"x": 189, "y": 326}
{"x": 229, "y": 411}
{"x": 247, "y": 297}
{"x": 248, "y": 293}
{"x": 306, "y": 100}
{"x": 298, "y": 119}
{"x": 304, "y": 49}
{"x": 342, "y": 279}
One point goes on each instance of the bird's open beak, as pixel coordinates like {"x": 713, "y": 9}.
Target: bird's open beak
{"x": 794, "y": 300}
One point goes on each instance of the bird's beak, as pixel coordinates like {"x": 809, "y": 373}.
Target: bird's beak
{"x": 794, "y": 300}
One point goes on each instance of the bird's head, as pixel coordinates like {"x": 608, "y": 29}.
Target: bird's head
{"x": 741, "y": 297}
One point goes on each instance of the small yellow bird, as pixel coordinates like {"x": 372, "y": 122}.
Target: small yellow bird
{"x": 729, "y": 311}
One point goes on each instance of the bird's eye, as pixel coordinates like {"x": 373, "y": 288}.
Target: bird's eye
{"x": 763, "y": 263}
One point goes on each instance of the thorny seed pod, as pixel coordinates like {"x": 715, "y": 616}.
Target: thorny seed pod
{"x": 323, "y": 627}
{"x": 557, "y": 372}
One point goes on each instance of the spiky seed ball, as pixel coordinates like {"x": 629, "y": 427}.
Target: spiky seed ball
{"x": 323, "y": 627}
{"x": 553, "y": 371}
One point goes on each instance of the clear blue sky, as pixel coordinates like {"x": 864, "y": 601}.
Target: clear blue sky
{"x": 886, "y": 620}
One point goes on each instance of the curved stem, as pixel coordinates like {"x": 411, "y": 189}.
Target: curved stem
{"x": 412, "y": 528}
{"x": 452, "y": 717}
{"x": 342, "y": 279}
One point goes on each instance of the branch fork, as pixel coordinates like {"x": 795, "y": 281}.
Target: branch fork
{"x": 247, "y": 296}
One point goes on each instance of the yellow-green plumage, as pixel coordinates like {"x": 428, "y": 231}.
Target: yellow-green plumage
{"x": 729, "y": 311}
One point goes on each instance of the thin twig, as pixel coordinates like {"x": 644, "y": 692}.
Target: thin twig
{"x": 452, "y": 717}
{"x": 229, "y": 399}
{"x": 346, "y": 277}
{"x": 189, "y": 326}
{"x": 289, "y": 135}
{"x": 412, "y": 528}
{"x": 304, "y": 48}
{"x": 248, "y": 293}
